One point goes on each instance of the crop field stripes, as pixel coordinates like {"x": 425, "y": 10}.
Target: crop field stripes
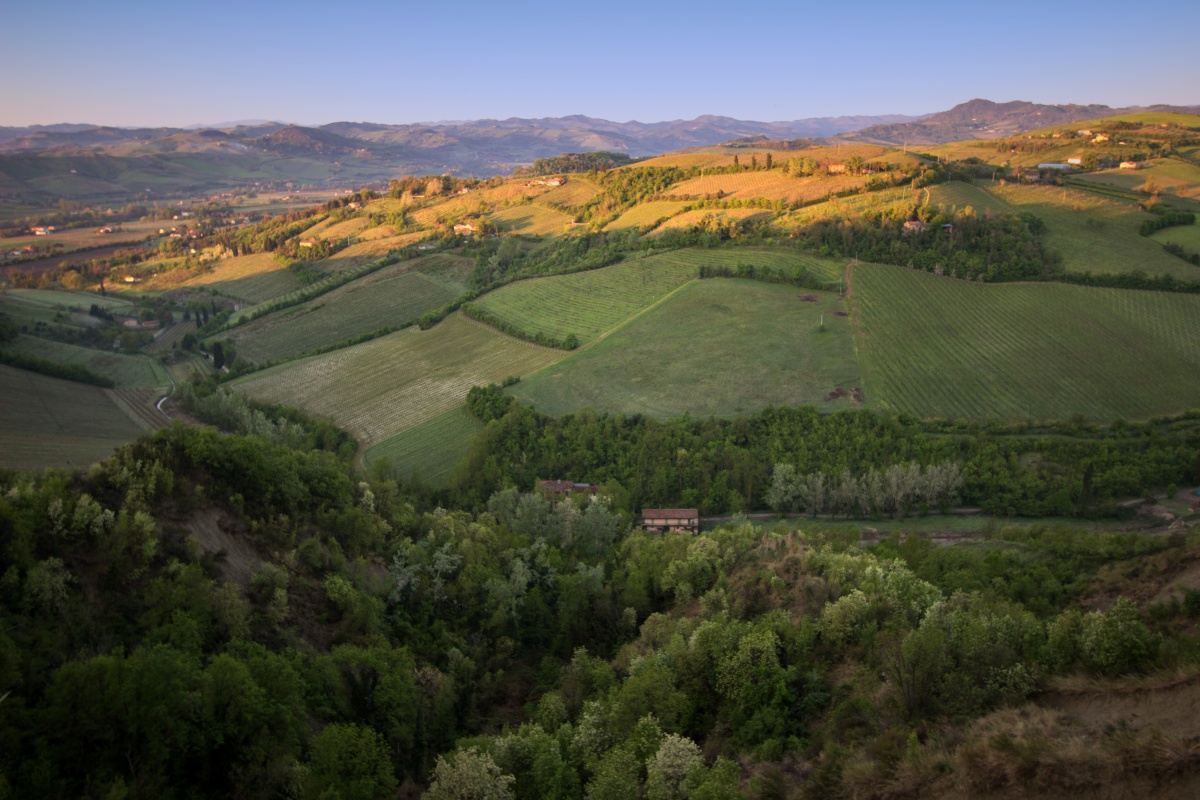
{"x": 387, "y": 385}
{"x": 939, "y": 347}
{"x": 432, "y": 448}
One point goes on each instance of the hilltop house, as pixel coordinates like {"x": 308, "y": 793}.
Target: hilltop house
{"x": 1129, "y": 165}
{"x": 464, "y": 227}
{"x": 666, "y": 520}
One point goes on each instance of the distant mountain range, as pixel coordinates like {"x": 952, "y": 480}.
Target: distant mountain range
{"x": 82, "y": 161}
{"x": 984, "y": 119}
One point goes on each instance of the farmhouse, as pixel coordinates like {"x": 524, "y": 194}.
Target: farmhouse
{"x": 464, "y": 227}
{"x": 836, "y": 169}
{"x": 307, "y": 243}
{"x": 553, "y": 490}
{"x": 1075, "y": 161}
{"x": 1051, "y": 165}
{"x": 665, "y": 520}
{"x": 43, "y": 230}
{"x": 1129, "y": 165}
{"x": 915, "y": 226}
{"x": 1099, "y": 138}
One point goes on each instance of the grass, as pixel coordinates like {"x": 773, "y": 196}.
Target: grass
{"x": 382, "y": 387}
{"x": 587, "y": 303}
{"x": 937, "y": 347}
{"x": 532, "y": 219}
{"x": 956, "y": 194}
{"x": 126, "y": 371}
{"x": 1171, "y": 176}
{"x": 1094, "y": 234}
{"x": 436, "y": 210}
{"x": 717, "y": 347}
{"x": 572, "y": 194}
{"x": 432, "y": 449}
{"x": 390, "y": 296}
{"x": 55, "y": 423}
{"x": 722, "y": 216}
{"x": 55, "y": 298}
{"x": 771, "y": 184}
{"x": 1186, "y": 236}
{"x": 255, "y": 278}
{"x": 360, "y": 253}
{"x": 646, "y": 215}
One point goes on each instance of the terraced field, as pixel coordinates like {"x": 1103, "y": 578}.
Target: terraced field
{"x": 537, "y": 220}
{"x": 54, "y": 423}
{"x": 1094, "y": 234}
{"x": 255, "y": 278}
{"x": 646, "y": 214}
{"x": 717, "y": 347}
{"x": 939, "y": 347}
{"x": 126, "y": 371}
{"x": 431, "y": 449}
{"x": 393, "y": 295}
{"x": 387, "y": 385}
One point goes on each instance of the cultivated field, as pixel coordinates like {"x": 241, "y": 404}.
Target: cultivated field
{"x": 717, "y": 347}
{"x": 54, "y": 423}
{"x": 59, "y": 298}
{"x": 126, "y": 371}
{"x": 255, "y": 278}
{"x": 393, "y": 295}
{"x": 645, "y": 215}
{"x": 478, "y": 201}
{"x": 382, "y": 387}
{"x": 853, "y": 205}
{"x": 770, "y": 184}
{"x": 76, "y": 238}
{"x": 1094, "y": 234}
{"x": 940, "y": 347}
{"x": 1167, "y": 176}
{"x": 431, "y": 449}
{"x": 537, "y": 220}
{"x": 360, "y": 253}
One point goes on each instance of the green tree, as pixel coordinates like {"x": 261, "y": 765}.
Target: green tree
{"x": 469, "y": 775}
{"x": 349, "y": 762}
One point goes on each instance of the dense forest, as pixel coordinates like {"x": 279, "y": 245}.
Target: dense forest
{"x": 209, "y": 615}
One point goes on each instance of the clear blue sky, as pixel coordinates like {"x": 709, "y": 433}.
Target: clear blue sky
{"x": 131, "y": 62}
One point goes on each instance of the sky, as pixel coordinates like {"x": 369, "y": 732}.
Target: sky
{"x": 135, "y": 63}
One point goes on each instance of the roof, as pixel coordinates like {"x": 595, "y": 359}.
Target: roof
{"x": 670, "y": 512}
{"x": 567, "y": 486}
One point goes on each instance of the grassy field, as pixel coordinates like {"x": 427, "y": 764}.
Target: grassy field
{"x": 255, "y": 278}
{"x": 939, "y": 347}
{"x": 1186, "y": 236}
{"x": 1169, "y": 176}
{"x": 387, "y": 385}
{"x": 537, "y": 220}
{"x": 432, "y": 449}
{"x": 435, "y": 210}
{"x": 30, "y": 316}
{"x": 61, "y": 298}
{"x": 717, "y": 347}
{"x": 572, "y": 194}
{"x": 1094, "y": 234}
{"x": 54, "y": 423}
{"x": 722, "y": 216}
{"x": 646, "y": 214}
{"x": 959, "y": 195}
{"x": 390, "y": 296}
{"x": 587, "y": 303}
{"x": 126, "y": 371}
{"x": 852, "y": 205}
{"x": 771, "y": 184}
{"x": 360, "y": 253}
{"x": 76, "y": 238}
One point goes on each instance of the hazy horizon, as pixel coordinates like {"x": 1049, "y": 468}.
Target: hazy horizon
{"x": 134, "y": 64}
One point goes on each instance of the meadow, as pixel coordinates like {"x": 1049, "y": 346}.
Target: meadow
{"x": 126, "y": 371}
{"x": 254, "y": 278}
{"x": 387, "y": 385}
{"x": 771, "y": 184}
{"x": 52, "y": 422}
{"x": 1168, "y": 176}
{"x": 937, "y": 347}
{"x": 645, "y": 215}
{"x": 959, "y": 195}
{"x": 710, "y": 216}
{"x": 536, "y": 220}
{"x": 572, "y": 194}
{"x": 717, "y": 347}
{"x": 431, "y": 449}
{"x": 390, "y": 296}
{"x": 1093, "y": 233}
{"x": 1186, "y": 236}
{"x": 589, "y": 303}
